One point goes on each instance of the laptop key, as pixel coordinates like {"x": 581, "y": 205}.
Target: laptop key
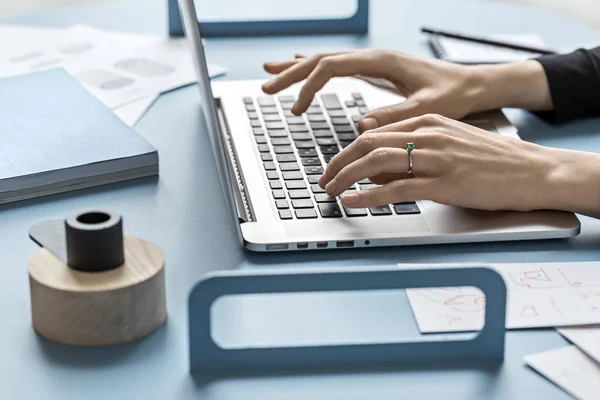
{"x": 303, "y": 203}
{"x": 324, "y": 198}
{"x": 365, "y": 182}
{"x": 299, "y": 194}
{"x": 363, "y": 110}
{"x": 298, "y": 128}
{"x": 326, "y": 142}
{"x": 380, "y": 210}
{"x": 305, "y": 145}
{"x": 312, "y": 179}
{"x": 360, "y": 102}
{"x": 272, "y": 175}
{"x": 313, "y": 110}
{"x": 330, "y": 150}
{"x": 331, "y": 101}
{"x": 336, "y": 113}
{"x": 311, "y": 161}
{"x": 275, "y": 185}
{"x": 250, "y": 107}
{"x": 281, "y": 204}
{"x": 258, "y": 131}
{"x": 290, "y": 166}
{"x": 269, "y": 110}
{"x": 287, "y": 98}
{"x": 356, "y": 95}
{"x": 283, "y": 158}
{"x": 260, "y": 139}
{"x": 317, "y": 118}
{"x": 255, "y": 123}
{"x": 323, "y": 133}
{"x": 282, "y": 141}
{"x": 283, "y": 150}
{"x": 319, "y": 125}
{"x": 341, "y": 128}
{"x": 266, "y": 101}
{"x": 293, "y": 185}
{"x": 350, "y": 103}
{"x": 313, "y": 170}
{"x": 275, "y": 125}
{"x": 263, "y": 148}
{"x": 356, "y": 118}
{"x": 316, "y": 189}
{"x": 277, "y": 133}
{"x": 252, "y": 115}
{"x": 295, "y": 120}
{"x": 345, "y": 143}
{"x": 330, "y": 210}
{"x": 278, "y": 194}
{"x": 248, "y": 100}
{"x": 266, "y": 157}
{"x": 292, "y": 176}
{"x": 307, "y": 152}
{"x": 301, "y": 136}
{"x": 285, "y": 214}
{"x": 355, "y": 212}
{"x": 269, "y": 166}
{"x": 328, "y": 158}
{"x": 306, "y": 213}
{"x": 339, "y": 121}
{"x": 349, "y": 137}
{"x": 410, "y": 208}
{"x": 271, "y": 117}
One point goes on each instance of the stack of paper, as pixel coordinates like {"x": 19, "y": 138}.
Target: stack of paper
{"x": 565, "y": 295}
{"x": 124, "y": 71}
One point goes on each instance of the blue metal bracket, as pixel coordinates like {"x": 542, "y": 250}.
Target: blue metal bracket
{"x": 207, "y": 358}
{"x": 355, "y": 24}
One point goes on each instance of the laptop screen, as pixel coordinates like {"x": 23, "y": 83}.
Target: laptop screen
{"x": 192, "y": 31}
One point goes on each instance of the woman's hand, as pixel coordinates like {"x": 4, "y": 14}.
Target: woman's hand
{"x": 460, "y": 165}
{"x": 429, "y": 85}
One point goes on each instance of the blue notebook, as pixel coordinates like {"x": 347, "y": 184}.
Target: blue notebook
{"x": 55, "y": 137}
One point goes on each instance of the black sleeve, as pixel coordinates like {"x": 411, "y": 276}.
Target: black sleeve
{"x": 574, "y": 81}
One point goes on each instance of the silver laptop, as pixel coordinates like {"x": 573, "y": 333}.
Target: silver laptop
{"x": 269, "y": 162}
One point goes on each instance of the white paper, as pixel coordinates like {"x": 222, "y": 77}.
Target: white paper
{"x": 587, "y": 338}
{"x": 570, "y": 369}
{"x": 471, "y": 52}
{"x": 539, "y": 295}
{"x": 116, "y": 68}
{"x": 132, "y": 112}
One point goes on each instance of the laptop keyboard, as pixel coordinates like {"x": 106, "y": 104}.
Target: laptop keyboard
{"x": 295, "y": 149}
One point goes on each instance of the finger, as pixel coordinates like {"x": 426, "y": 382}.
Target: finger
{"x": 348, "y": 64}
{"x": 277, "y": 67}
{"x": 388, "y": 115}
{"x": 293, "y": 74}
{"x": 416, "y": 122}
{"x": 300, "y": 55}
{"x": 383, "y": 159}
{"x": 370, "y": 141}
{"x": 394, "y": 192}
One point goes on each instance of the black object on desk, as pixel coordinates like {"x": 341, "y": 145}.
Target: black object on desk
{"x": 490, "y": 42}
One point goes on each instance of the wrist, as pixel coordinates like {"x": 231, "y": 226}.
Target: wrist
{"x": 519, "y": 85}
{"x": 571, "y": 182}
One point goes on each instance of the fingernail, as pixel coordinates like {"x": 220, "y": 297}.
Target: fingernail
{"x": 349, "y": 198}
{"x": 369, "y": 123}
{"x": 330, "y": 187}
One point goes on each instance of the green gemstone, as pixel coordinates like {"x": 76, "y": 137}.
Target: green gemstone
{"x": 410, "y": 146}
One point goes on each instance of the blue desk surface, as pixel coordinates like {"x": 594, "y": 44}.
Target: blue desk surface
{"x": 183, "y": 213}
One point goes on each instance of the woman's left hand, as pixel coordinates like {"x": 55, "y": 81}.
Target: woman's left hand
{"x": 453, "y": 163}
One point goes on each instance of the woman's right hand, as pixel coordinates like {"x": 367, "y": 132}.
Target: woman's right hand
{"x": 429, "y": 85}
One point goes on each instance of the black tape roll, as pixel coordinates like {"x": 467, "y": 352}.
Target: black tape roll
{"x": 94, "y": 241}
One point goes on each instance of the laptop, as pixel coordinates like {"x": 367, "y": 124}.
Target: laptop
{"x": 269, "y": 162}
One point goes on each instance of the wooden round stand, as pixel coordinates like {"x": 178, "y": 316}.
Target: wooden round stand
{"x": 99, "y": 308}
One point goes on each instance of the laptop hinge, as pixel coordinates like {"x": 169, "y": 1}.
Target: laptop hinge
{"x": 243, "y": 204}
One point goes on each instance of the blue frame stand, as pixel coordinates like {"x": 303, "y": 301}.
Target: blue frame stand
{"x": 355, "y": 24}
{"x": 207, "y": 358}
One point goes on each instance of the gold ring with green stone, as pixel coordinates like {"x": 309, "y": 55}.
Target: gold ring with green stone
{"x": 409, "y": 148}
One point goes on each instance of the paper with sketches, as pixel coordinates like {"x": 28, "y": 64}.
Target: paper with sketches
{"x": 116, "y": 68}
{"x": 570, "y": 369}
{"x": 587, "y": 338}
{"x": 132, "y": 112}
{"x": 539, "y": 295}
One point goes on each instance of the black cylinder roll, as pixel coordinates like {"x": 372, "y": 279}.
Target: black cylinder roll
{"x": 94, "y": 241}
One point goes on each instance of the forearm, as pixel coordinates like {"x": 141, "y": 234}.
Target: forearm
{"x": 572, "y": 182}
{"x": 519, "y": 85}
